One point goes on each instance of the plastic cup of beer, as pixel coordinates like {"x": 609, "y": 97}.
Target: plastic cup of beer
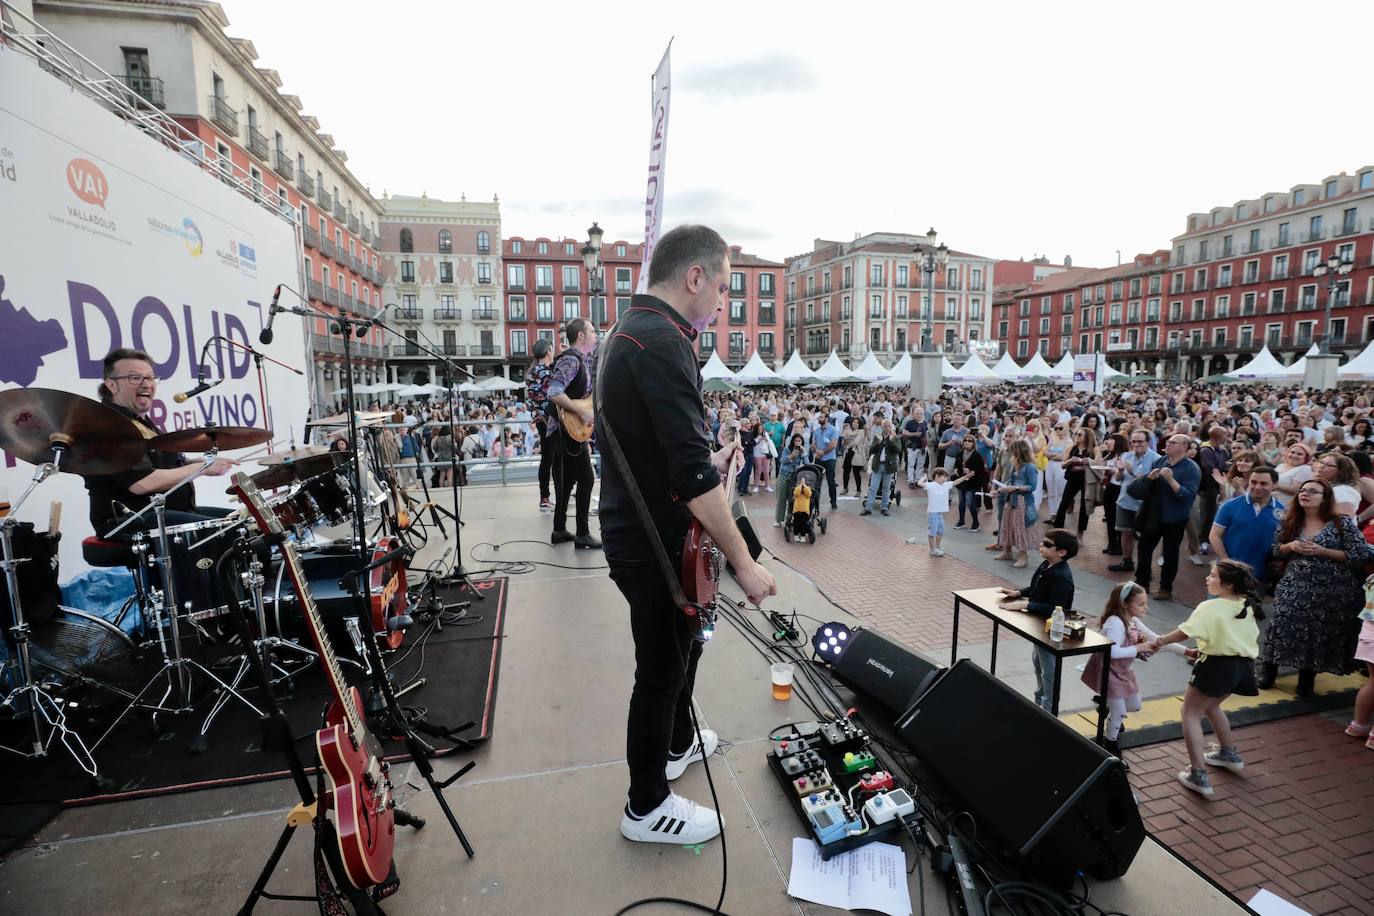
{"x": 781, "y": 674}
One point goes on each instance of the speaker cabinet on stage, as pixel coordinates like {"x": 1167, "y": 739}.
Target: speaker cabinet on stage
{"x": 1040, "y": 792}
{"x": 884, "y": 670}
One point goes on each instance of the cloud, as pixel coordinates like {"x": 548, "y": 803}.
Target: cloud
{"x": 766, "y": 75}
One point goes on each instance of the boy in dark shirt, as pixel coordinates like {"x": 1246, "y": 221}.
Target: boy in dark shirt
{"x": 1051, "y": 586}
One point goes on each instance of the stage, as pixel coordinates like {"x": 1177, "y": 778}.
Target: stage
{"x": 543, "y": 803}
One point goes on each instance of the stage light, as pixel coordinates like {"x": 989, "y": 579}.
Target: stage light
{"x": 830, "y": 641}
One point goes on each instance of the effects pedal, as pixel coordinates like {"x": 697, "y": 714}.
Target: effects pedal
{"x": 835, "y": 823}
{"x": 880, "y": 781}
{"x": 788, "y": 747}
{"x": 817, "y": 800}
{"x": 801, "y": 763}
{"x": 815, "y": 781}
{"x": 855, "y": 762}
{"x": 842, "y": 732}
{"x": 886, "y": 806}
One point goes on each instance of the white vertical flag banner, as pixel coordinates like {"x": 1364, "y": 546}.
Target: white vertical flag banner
{"x": 658, "y": 154}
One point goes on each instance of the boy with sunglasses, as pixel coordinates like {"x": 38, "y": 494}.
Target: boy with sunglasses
{"x": 1051, "y": 586}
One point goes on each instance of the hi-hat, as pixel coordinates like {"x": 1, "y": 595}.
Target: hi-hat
{"x": 295, "y": 454}
{"x": 204, "y": 438}
{"x": 95, "y": 438}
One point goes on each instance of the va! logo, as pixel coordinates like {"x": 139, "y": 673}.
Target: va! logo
{"x": 88, "y": 182}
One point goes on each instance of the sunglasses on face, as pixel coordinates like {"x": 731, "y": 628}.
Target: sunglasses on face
{"x": 1048, "y": 543}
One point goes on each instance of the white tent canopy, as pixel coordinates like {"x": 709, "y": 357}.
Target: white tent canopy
{"x": 498, "y": 383}
{"x": 1063, "y": 370}
{"x": 714, "y": 368}
{"x": 947, "y": 371}
{"x": 900, "y": 374}
{"x": 1007, "y": 369}
{"x": 1036, "y": 365}
{"x": 1299, "y": 368}
{"x": 756, "y": 370}
{"x": 833, "y": 370}
{"x": 870, "y": 370}
{"x": 975, "y": 370}
{"x": 1262, "y": 368}
{"x": 1359, "y": 369}
{"x": 414, "y": 391}
{"x": 794, "y": 370}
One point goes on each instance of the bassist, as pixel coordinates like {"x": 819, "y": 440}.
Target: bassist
{"x": 570, "y": 382}
{"x": 653, "y": 403}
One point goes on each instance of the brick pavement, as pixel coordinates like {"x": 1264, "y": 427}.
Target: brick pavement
{"x": 1299, "y": 820}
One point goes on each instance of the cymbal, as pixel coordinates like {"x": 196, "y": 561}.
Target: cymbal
{"x": 295, "y": 454}
{"x": 365, "y": 417}
{"x": 283, "y": 475}
{"x": 204, "y": 438}
{"x": 98, "y": 439}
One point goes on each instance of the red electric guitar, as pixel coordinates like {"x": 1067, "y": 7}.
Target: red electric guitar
{"x": 359, "y": 789}
{"x": 703, "y": 562}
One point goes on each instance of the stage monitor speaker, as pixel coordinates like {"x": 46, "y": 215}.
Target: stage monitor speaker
{"x": 1039, "y": 791}
{"x": 884, "y": 670}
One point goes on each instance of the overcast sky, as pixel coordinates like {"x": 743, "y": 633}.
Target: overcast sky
{"x": 1014, "y": 129}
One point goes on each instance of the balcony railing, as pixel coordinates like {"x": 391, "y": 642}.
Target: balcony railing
{"x": 354, "y": 225}
{"x": 411, "y": 313}
{"x": 488, "y": 350}
{"x": 448, "y": 314}
{"x": 408, "y": 278}
{"x": 316, "y": 289}
{"x": 328, "y": 248}
{"x": 484, "y": 314}
{"x": 767, "y": 316}
{"x": 283, "y": 165}
{"x": 312, "y": 238}
{"x": 307, "y": 185}
{"x": 257, "y": 143}
{"x": 515, "y": 287}
{"x": 484, "y": 281}
{"x": 766, "y": 350}
{"x": 340, "y": 214}
{"x": 367, "y": 235}
{"x": 331, "y": 296}
{"x": 325, "y": 200}
{"x": 449, "y": 349}
{"x": 145, "y": 90}
{"x": 543, "y": 288}
{"x": 1316, "y": 236}
{"x": 224, "y": 117}
{"x": 738, "y": 319}
{"x": 446, "y": 280}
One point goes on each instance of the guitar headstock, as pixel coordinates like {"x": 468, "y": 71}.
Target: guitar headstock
{"x": 248, "y": 493}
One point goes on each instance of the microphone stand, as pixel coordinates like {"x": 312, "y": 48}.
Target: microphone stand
{"x": 459, "y": 574}
{"x": 345, "y": 324}
{"x": 258, "y": 358}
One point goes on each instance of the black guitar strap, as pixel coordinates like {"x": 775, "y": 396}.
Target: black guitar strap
{"x": 611, "y": 446}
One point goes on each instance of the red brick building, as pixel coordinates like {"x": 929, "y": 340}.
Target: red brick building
{"x": 1239, "y": 278}
{"x": 750, "y": 320}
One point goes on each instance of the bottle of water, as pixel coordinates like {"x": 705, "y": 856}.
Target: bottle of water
{"x": 1057, "y": 624}
{"x": 914, "y": 540}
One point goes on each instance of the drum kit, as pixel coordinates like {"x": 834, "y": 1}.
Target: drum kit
{"x": 186, "y": 576}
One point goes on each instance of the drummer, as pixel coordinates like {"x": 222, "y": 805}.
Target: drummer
{"x": 128, "y": 386}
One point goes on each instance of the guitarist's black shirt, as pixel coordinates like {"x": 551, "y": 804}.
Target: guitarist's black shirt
{"x": 652, "y": 399}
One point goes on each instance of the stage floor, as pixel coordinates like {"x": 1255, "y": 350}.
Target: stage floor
{"x": 542, "y": 805}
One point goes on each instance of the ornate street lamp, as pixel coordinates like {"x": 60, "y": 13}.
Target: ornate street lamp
{"x": 1337, "y": 269}
{"x": 930, "y": 258}
{"x": 591, "y": 258}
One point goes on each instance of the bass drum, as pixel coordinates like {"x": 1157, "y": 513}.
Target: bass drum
{"x": 325, "y": 569}
{"x": 81, "y": 650}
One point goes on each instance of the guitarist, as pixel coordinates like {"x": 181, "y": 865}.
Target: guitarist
{"x": 570, "y": 380}
{"x": 654, "y": 405}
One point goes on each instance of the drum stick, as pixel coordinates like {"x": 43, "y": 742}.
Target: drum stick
{"x": 55, "y": 518}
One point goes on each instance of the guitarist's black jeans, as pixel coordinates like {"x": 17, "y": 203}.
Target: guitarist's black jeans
{"x": 572, "y": 466}
{"x": 660, "y": 705}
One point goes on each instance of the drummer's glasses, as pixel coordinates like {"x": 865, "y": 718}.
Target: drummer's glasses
{"x": 136, "y": 379}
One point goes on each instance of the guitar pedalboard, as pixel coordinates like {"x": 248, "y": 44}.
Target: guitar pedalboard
{"x": 833, "y": 779}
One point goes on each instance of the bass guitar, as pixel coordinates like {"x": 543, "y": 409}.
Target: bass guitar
{"x": 573, "y": 425}
{"x": 703, "y": 562}
{"x": 359, "y": 787}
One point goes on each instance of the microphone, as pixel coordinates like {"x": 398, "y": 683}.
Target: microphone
{"x": 183, "y": 396}
{"x": 265, "y": 335}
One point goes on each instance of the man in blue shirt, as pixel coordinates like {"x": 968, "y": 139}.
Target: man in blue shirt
{"x": 1134, "y": 464}
{"x": 1245, "y": 524}
{"x": 1175, "y": 479}
{"x": 824, "y": 445}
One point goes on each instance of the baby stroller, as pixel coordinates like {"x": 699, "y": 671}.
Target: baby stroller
{"x": 803, "y": 524}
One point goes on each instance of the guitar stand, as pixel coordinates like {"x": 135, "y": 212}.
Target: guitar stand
{"x": 420, "y": 752}
{"x": 277, "y": 734}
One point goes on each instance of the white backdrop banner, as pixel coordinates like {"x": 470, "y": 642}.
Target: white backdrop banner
{"x": 109, "y": 239}
{"x": 658, "y": 156}
{"x": 1088, "y": 372}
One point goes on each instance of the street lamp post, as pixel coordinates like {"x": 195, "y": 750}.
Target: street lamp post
{"x": 596, "y": 273}
{"x": 1336, "y": 269}
{"x": 929, "y": 259}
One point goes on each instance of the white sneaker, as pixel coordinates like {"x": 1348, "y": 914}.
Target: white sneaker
{"x": 676, "y": 820}
{"x": 770, "y": 489}
{"x": 1159, "y": 561}
{"x": 676, "y": 768}
{"x": 755, "y": 490}
{"x": 1197, "y": 560}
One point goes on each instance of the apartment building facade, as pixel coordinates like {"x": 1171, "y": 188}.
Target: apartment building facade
{"x": 175, "y": 56}
{"x": 441, "y": 268}
{"x": 870, "y": 295}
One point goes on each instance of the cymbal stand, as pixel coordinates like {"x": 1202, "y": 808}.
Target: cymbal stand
{"x": 47, "y": 718}
{"x": 263, "y": 646}
{"x": 177, "y": 669}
